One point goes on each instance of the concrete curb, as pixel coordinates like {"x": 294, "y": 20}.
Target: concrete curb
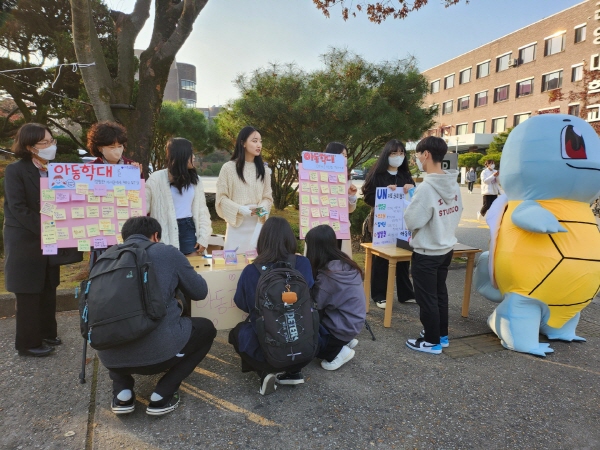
{"x": 65, "y": 301}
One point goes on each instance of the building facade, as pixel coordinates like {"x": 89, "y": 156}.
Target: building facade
{"x": 502, "y": 83}
{"x": 181, "y": 84}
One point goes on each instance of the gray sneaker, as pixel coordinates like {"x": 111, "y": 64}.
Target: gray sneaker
{"x": 267, "y": 384}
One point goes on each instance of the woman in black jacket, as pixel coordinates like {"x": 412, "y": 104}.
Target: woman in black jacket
{"x": 28, "y": 272}
{"x": 390, "y": 170}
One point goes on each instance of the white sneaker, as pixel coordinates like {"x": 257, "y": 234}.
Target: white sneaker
{"x": 478, "y": 216}
{"x": 345, "y": 355}
{"x": 353, "y": 343}
{"x": 268, "y": 385}
{"x": 381, "y": 304}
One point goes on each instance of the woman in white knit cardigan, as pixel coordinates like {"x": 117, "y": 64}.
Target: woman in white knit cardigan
{"x": 244, "y": 192}
{"x": 175, "y": 197}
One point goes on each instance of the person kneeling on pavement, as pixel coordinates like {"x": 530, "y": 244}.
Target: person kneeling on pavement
{"x": 177, "y": 345}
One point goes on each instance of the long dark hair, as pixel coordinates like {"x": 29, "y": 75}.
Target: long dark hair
{"x": 239, "y": 155}
{"x": 335, "y": 148}
{"x": 27, "y": 136}
{"x": 322, "y": 248}
{"x": 179, "y": 152}
{"x": 276, "y": 241}
{"x": 382, "y": 164}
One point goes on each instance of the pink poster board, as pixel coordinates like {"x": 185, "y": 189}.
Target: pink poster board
{"x": 323, "y": 193}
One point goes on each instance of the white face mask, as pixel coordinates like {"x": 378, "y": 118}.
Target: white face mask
{"x": 48, "y": 153}
{"x": 420, "y": 164}
{"x": 395, "y": 161}
{"x": 492, "y": 166}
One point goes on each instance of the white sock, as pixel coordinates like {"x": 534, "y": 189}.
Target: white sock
{"x": 125, "y": 395}
{"x": 155, "y": 397}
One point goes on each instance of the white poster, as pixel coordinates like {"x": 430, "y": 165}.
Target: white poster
{"x": 388, "y": 220}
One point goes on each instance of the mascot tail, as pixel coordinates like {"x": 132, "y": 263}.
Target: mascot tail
{"x": 483, "y": 282}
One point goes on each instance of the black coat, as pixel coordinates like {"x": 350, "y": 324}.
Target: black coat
{"x": 25, "y": 267}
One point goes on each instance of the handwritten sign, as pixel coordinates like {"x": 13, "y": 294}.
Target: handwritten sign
{"x": 324, "y": 162}
{"x": 69, "y": 176}
{"x": 388, "y": 220}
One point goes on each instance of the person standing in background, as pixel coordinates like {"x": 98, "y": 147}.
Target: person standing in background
{"x": 489, "y": 187}
{"x": 471, "y": 178}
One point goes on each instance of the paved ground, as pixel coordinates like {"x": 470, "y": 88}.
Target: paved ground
{"x": 475, "y": 395}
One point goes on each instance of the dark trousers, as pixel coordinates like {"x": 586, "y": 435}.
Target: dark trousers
{"x": 379, "y": 278}
{"x": 36, "y": 316}
{"x": 250, "y": 364}
{"x": 487, "y": 202}
{"x": 429, "y": 277}
{"x": 329, "y": 345}
{"x": 470, "y": 185}
{"x": 177, "y": 368}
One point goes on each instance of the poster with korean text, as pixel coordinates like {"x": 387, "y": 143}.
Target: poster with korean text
{"x": 388, "y": 220}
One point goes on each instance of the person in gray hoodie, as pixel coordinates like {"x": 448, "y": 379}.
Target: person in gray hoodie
{"x": 339, "y": 295}
{"x": 432, "y": 218}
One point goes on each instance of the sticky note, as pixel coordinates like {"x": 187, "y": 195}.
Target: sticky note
{"x": 304, "y": 221}
{"x": 122, "y": 213}
{"x": 304, "y": 212}
{"x": 314, "y": 176}
{"x": 324, "y": 177}
{"x": 303, "y": 175}
{"x": 62, "y": 197}
{"x": 344, "y": 228}
{"x": 305, "y": 199}
{"x": 332, "y": 179}
{"x": 108, "y": 211}
{"x": 60, "y": 214}
{"x": 344, "y": 217}
{"x": 92, "y": 230}
{"x": 305, "y": 230}
{"x": 78, "y": 232}
{"x": 122, "y": 201}
{"x": 48, "y": 225}
{"x": 136, "y": 204}
{"x": 120, "y": 224}
{"x": 109, "y": 197}
{"x": 324, "y": 212}
{"x": 314, "y": 199}
{"x": 133, "y": 195}
{"x": 62, "y": 234}
{"x": 91, "y": 198}
{"x": 343, "y": 203}
{"x": 81, "y": 188}
{"x": 83, "y": 245}
{"x": 78, "y": 197}
{"x": 316, "y": 223}
{"x": 93, "y": 211}
{"x": 341, "y": 178}
{"x": 333, "y": 202}
{"x": 334, "y": 190}
{"x": 99, "y": 242}
{"x": 119, "y": 191}
{"x": 77, "y": 212}
{"x": 136, "y": 213}
{"x": 48, "y": 209}
{"x": 49, "y": 237}
{"x": 110, "y": 232}
{"x": 119, "y": 239}
{"x": 305, "y": 186}
{"x": 314, "y": 188}
{"x": 100, "y": 190}
{"x": 324, "y": 200}
{"x": 334, "y": 214}
{"x": 49, "y": 249}
{"x": 48, "y": 195}
{"x": 105, "y": 224}
{"x": 324, "y": 189}
{"x": 315, "y": 212}
{"x": 335, "y": 225}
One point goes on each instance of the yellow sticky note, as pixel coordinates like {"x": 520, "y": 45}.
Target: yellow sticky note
{"x": 49, "y": 225}
{"x": 314, "y": 199}
{"x": 343, "y": 202}
{"x": 334, "y": 190}
{"x": 119, "y": 191}
{"x": 324, "y": 189}
{"x": 122, "y": 201}
{"x": 333, "y": 202}
{"x": 77, "y": 212}
{"x": 324, "y": 200}
{"x": 93, "y": 211}
{"x": 122, "y": 213}
{"x": 121, "y": 223}
{"x": 109, "y": 197}
{"x": 119, "y": 239}
{"x": 49, "y": 237}
{"x": 83, "y": 245}
{"x": 324, "y": 177}
{"x": 341, "y": 178}
{"x": 305, "y": 230}
{"x": 62, "y": 234}
{"x": 304, "y": 221}
{"x": 305, "y": 186}
{"x": 314, "y": 188}
{"x": 108, "y": 211}
{"x": 313, "y": 176}
{"x": 133, "y": 195}
{"x": 78, "y": 232}
{"x": 48, "y": 209}
{"x": 110, "y": 232}
{"x": 305, "y": 199}
{"x": 81, "y": 188}
{"x": 324, "y": 212}
{"x": 315, "y": 212}
{"x": 335, "y": 226}
{"x": 105, "y": 224}
{"x": 136, "y": 204}
{"x": 304, "y": 212}
{"x": 136, "y": 213}
{"x": 48, "y": 195}
{"x": 60, "y": 214}
{"x": 93, "y": 230}
{"x": 91, "y": 198}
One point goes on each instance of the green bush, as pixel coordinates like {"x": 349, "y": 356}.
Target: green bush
{"x": 358, "y": 216}
{"x": 66, "y": 150}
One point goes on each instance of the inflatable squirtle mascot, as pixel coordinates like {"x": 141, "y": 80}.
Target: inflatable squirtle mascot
{"x": 543, "y": 266}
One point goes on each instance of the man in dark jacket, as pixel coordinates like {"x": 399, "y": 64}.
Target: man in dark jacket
{"x": 177, "y": 345}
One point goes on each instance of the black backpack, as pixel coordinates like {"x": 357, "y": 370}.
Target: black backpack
{"x": 288, "y": 321}
{"x": 121, "y": 301}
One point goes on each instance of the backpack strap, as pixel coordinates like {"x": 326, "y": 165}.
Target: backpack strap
{"x": 291, "y": 260}
{"x": 144, "y": 245}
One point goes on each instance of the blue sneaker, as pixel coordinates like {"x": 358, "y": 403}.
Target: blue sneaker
{"x": 421, "y": 345}
{"x": 444, "y": 341}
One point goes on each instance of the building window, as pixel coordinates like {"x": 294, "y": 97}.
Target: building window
{"x": 463, "y": 103}
{"x": 461, "y": 129}
{"x": 574, "y": 110}
{"x": 552, "y": 81}
{"x": 189, "y": 103}
{"x": 580, "y": 34}
{"x": 465, "y": 76}
{"x": 188, "y": 85}
{"x": 525, "y": 88}
{"x": 446, "y": 131}
{"x": 483, "y": 69}
{"x": 498, "y": 125}
{"x": 447, "y": 107}
{"x": 520, "y": 118}
{"x": 527, "y": 54}
{"x": 479, "y": 127}
{"x": 555, "y": 44}
{"x": 449, "y": 82}
{"x": 435, "y": 87}
{"x": 435, "y": 108}
{"x": 502, "y": 62}
{"x": 593, "y": 113}
{"x": 481, "y": 99}
{"x": 501, "y": 93}
{"x": 577, "y": 73}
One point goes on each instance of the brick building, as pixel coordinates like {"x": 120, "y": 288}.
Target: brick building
{"x": 504, "y": 82}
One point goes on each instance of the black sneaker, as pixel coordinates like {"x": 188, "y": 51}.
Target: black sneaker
{"x": 123, "y": 407}
{"x": 290, "y": 378}
{"x": 164, "y": 406}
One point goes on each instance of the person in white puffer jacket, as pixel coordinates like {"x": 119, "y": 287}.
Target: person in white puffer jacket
{"x": 490, "y": 189}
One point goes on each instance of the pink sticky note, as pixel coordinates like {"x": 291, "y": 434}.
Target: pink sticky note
{"x": 50, "y": 249}
{"x": 78, "y": 197}
{"x": 304, "y": 175}
{"x": 62, "y": 197}
{"x": 334, "y": 214}
{"x": 344, "y": 217}
{"x": 332, "y": 178}
{"x": 100, "y": 190}
{"x": 100, "y": 242}
{"x": 344, "y": 228}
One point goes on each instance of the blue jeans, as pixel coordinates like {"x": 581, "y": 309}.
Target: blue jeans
{"x": 187, "y": 235}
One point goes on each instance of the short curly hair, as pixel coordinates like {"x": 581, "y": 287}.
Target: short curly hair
{"x": 103, "y": 134}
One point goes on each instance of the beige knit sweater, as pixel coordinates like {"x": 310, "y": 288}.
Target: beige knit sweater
{"x": 233, "y": 192}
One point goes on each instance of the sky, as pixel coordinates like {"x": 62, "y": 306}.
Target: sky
{"x": 233, "y": 37}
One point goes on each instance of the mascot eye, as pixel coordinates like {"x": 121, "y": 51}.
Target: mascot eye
{"x": 572, "y": 144}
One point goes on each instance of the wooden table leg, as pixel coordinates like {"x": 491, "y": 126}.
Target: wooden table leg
{"x": 389, "y": 294}
{"x": 468, "y": 283}
{"x": 367, "y": 282}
